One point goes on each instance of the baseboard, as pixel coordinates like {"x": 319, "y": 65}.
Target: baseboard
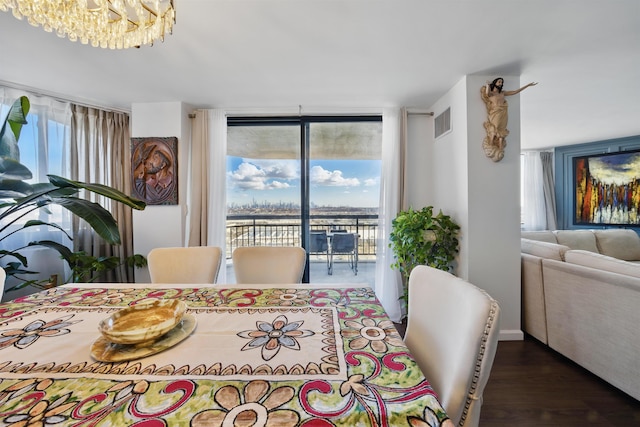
{"x": 511, "y": 335}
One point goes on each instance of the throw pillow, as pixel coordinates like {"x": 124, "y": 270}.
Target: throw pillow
{"x": 542, "y": 236}
{"x": 619, "y": 243}
{"x": 577, "y": 239}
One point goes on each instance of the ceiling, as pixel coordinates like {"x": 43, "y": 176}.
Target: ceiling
{"x": 266, "y": 54}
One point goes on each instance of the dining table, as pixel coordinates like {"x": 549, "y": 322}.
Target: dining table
{"x": 255, "y": 355}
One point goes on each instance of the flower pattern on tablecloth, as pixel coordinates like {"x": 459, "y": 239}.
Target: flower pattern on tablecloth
{"x": 23, "y": 337}
{"x": 271, "y": 337}
{"x": 380, "y": 385}
{"x": 429, "y": 419}
{"x": 43, "y": 413}
{"x": 370, "y": 333}
{"x": 255, "y": 406}
{"x": 289, "y": 297}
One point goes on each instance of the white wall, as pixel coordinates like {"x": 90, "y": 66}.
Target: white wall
{"x": 482, "y": 196}
{"x": 451, "y": 173}
{"x": 419, "y": 147}
{"x": 161, "y": 226}
{"x": 450, "y": 180}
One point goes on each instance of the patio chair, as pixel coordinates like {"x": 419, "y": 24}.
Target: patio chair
{"x": 319, "y": 245}
{"x": 344, "y": 244}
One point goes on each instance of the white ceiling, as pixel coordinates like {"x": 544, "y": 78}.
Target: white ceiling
{"x": 585, "y": 54}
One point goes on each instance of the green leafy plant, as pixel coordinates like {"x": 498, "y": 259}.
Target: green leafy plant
{"x": 87, "y": 268}
{"x": 418, "y": 237}
{"x": 19, "y": 198}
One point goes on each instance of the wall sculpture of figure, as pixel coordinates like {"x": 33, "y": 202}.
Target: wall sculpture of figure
{"x": 154, "y": 173}
{"x": 497, "y": 117}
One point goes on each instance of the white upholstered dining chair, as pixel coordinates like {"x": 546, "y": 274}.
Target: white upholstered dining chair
{"x": 452, "y": 331}
{"x": 3, "y": 277}
{"x": 269, "y": 264}
{"x": 194, "y": 264}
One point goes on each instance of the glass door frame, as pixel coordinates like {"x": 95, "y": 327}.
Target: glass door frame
{"x": 304, "y": 121}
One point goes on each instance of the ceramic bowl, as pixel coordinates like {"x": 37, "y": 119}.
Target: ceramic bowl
{"x": 142, "y": 322}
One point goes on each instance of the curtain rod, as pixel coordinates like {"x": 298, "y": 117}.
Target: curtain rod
{"x": 419, "y": 112}
{"x": 58, "y": 97}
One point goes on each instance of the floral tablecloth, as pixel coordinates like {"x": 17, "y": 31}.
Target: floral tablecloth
{"x": 304, "y": 356}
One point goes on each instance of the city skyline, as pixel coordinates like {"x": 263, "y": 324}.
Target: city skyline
{"x": 333, "y": 183}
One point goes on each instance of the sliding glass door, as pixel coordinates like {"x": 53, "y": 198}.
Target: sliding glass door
{"x": 298, "y": 181}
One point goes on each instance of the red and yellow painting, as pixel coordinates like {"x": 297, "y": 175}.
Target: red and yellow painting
{"x": 607, "y": 189}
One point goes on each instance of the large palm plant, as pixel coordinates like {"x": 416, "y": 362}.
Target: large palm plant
{"x": 19, "y": 198}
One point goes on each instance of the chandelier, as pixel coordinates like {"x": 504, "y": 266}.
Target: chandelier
{"x": 114, "y": 24}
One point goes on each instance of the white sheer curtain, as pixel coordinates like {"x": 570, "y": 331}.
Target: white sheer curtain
{"x": 44, "y": 148}
{"x": 534, "y": 215}
{"x": 388, "y": 283}
{"x": 218, "y": 183}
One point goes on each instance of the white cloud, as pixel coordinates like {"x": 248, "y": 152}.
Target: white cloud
{"x": 321, "y": 176}
{"x": 261, "y": 175}
{"x": 279, "y": 184}
{"x": 282, "y": 169}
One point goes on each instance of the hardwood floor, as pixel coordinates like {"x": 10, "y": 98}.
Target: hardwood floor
{"x": 533, "y": 385}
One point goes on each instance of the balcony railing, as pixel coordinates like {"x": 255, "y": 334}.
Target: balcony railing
{"x": 285, "y": 230}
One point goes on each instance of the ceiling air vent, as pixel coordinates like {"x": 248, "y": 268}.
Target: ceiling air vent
{"x": 442, "y": 123}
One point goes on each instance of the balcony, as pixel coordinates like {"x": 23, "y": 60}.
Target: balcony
{"x": 285, "y": 230}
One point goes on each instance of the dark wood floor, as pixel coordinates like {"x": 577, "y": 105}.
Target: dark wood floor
{"x": 533, "y": 385}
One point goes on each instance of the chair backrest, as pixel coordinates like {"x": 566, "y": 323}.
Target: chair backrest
{"x": 343, "y": 242}
{"x": 3, "y": 276}
{"x": 269, "y": 264}
{"x": 194, "y": 264}
{"x": 452, "y": 331}
{"x": 318, "y": 242}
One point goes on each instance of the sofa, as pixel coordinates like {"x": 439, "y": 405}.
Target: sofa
{"x": 581, "y": 297}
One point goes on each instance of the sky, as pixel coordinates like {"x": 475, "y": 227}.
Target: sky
{"x": 29, "y": 145}
{"x": 334, "y": 183}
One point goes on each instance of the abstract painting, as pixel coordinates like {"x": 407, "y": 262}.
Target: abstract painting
{"x": 607, "y": 188}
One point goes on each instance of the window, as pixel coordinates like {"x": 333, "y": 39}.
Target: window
{"x": 43, "y": 145}
{"x": 287, "y": 177}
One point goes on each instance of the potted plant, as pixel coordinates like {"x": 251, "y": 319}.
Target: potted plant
{"x": 418, "y": 237}
{"x": 87, "y": 268}
{"x": 18, "y": 198}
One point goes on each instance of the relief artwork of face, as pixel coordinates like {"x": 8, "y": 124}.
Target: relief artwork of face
{"x": 155, "y": 163}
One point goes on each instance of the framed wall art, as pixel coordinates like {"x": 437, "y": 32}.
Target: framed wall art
{"x": 607, "y": 189}
{"x": 154, "y": 170}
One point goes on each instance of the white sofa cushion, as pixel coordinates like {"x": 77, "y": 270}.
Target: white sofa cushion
{"x": 577, "y": 239}
{"x": 543, "y": 249}
{"x": 619, "y": 243}
{"x": 602, "y": 262}
{"x": 542, "y": 236}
